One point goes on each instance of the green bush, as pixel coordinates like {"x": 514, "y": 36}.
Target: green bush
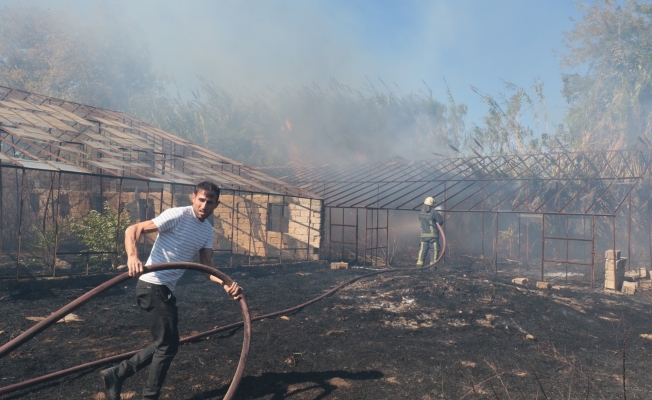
{"x": 102, "y": 232}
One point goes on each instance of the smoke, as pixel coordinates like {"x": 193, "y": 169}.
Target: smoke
{"x": 276, "y": 52}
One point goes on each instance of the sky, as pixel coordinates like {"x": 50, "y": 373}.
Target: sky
{"x": 258, "y": 44}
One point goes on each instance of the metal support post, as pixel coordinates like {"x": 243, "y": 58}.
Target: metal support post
{"x": 592, "y": 251}
{"x": 56, "y": 228}
{"x": 357, "y": 223}
{"x": 387, "y": 238}
{"x": 268, "y": 216}
{"x": 20, "y": 220}
{"x": 519, "y": 246}
{"x": 251, "y": 224}
{"x": 629, "y": 232}
{"x": 117, "y": 228}
{"x": 233, "y": 230}
{"x": 527, "y": 244}
{"x": 309, "y": 228}
{"x": 496, "y": 245}
{"x": 366, "y": 225}
{"x": 613, "y": 228}
{"x": 280, "y": 254}
{"x": 543, "y": 242}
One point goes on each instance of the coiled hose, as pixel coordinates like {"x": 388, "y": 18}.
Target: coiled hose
{"x": 246, "y": 322}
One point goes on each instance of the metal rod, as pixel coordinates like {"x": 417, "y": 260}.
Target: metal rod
{"x": 366, "y": 225}
{"x": 342, "y": 251}
{"x": 567, "y": 245}
{"x": 568, "y": 238}
{"x": 145, "y": 235}
{"x": 446, "y": 215}
{"x": 330, "y": 232}
{"x": 357, "y": 221}
{"x": 309, "y": 228}
{"x": 47, "y": 200}
{"x": 613, "y": 228}
{"x": 56, "y": 228}
{"x": 482, "y": 232}
{"x": 593, "y": 253}
{"x": 387, "y": 238}
{"x": 519, "y": 245}
{"x": 117, "y": 228}
{"x": 567, "y": 261}
{"x": 233, "y": 230}
{"x": 496, "y": 245}
{"x": 527, "y": 244}
{"x": 251, "y": 224}
{"x": 543, "y": 243}
{"x": 629, "y": 231}
{"x": 280, "y": 259}
{"x": 267, "y": 226}
{"x": 20, "y": 221}
{"x": 160, "y": 206}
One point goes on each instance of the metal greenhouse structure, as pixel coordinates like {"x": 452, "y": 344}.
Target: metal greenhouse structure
{"x": 549, "y": 216}
{"x": 63, "y": 164}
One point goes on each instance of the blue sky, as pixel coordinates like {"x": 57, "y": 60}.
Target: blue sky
{"x": 254, "y": 44}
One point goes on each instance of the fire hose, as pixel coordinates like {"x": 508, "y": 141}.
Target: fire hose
{"x": 246, "y": 322}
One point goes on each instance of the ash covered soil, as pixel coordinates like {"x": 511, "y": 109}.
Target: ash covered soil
{"x": 448, "y": 333}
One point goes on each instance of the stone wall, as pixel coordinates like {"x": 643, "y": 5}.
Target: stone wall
{"x": 241, "y": 221}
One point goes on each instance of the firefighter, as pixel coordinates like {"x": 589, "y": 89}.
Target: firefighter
{"x": 429, "y": 217}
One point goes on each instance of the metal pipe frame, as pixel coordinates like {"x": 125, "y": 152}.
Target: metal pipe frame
{"x": 50, "y": 126}
{"x": 353, "y": 186}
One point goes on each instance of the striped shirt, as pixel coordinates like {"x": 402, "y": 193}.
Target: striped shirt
{"x": 180, "y": 236}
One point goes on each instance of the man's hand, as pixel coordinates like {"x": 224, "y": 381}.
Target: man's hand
{"x": 233, "y": 290}
{"x": 135, "y": 266}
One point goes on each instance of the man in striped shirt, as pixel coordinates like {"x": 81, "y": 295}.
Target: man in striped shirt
{"x": 182, "y": 232}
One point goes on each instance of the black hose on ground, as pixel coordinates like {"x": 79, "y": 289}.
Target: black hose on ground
{"x": 8, "y": 347}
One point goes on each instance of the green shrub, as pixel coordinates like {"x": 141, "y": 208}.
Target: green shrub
{"x": 102, "y": 232}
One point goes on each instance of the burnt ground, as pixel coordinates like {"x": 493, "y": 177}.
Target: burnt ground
{"x": 452, "y": 333}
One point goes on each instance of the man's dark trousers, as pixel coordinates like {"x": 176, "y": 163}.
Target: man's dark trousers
{"x": 159, "y": 308}
{"x": 428, "y": 244}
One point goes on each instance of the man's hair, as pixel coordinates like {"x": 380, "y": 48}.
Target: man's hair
{"x": 209, "y": 188}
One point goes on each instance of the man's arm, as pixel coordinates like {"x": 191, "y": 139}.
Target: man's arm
{"x": 132, "y": 235}
{"x": 438, "y": 218}
{"x": 206, "y": 258}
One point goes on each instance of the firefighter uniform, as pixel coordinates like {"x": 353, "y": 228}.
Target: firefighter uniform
{"x": 428, "y": 217}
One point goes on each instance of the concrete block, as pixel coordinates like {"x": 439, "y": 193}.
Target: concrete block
{"x": 631, "y": 276}
{"x": 544, "y": 285}
{"x": 339, "y": 265}
{"x": 629, "y": 287}
{"x": 609, "y": 265}
{"x": 609, "y": 254}
{"x": 612, "y": 284}
{"x": 614, "y": 275}
{"x": 521, "y": 281}
{"x": 645, "y": 284}
{"x": 642, "y": 272}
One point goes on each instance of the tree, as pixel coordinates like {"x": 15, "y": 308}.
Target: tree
{"x": 101, "y": 61}
{"x": 507, "y": 128}
{"x": 609, "y": 88}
